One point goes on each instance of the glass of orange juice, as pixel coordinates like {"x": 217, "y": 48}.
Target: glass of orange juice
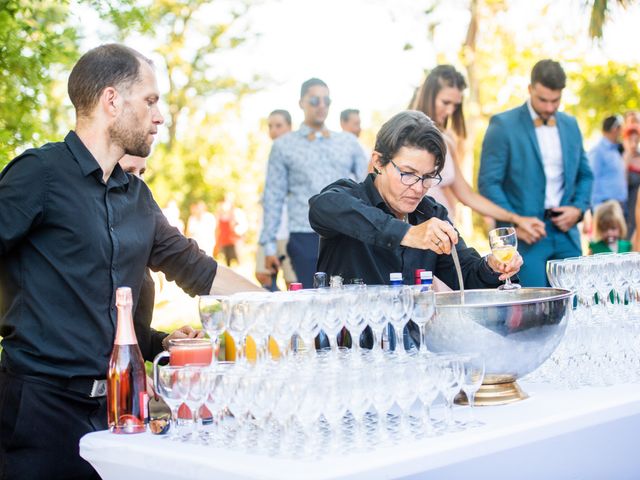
{"x": 504, "y": 245}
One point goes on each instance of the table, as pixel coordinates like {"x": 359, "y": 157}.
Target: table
{"x": 555, "y": 434}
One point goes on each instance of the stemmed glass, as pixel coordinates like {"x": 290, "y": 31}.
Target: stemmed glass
{"x": 192, "y": 390}
{"x": 449, "y": 384}
{"x": 309, "y": 326}
{"x": 504, "y": 245}
{"x": 424, "y": 307}
{"x": 399, "y": 307}
{"x": 238, "y": 323}
{"x": 167, "y": 387}
{"x": 283, "y": 323}
{"x": 472, "y": 377}
{"x": 376, "y": 316}
{"x": 355, "y": 315}
{"x": 428, "y": 387}
{"x": 213, "y": 315}
{"x": 212, "y": 379}
{"x": 332, "y": 317}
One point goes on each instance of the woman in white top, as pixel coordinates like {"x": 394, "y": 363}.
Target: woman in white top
{"x": 440, "y": 98}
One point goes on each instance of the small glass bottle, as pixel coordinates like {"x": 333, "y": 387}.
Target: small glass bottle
{"x": 320, "y": 280}
{"x": 127, "y": 399}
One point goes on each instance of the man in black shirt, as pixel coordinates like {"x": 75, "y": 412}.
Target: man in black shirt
{"x": 386, "y": 223}
{"x": 73, "y": 228}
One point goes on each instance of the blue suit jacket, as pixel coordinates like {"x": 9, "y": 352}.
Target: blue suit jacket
{"x": 511, "y": 169}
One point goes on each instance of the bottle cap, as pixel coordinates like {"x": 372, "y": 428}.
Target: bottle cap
{"x": 395, "y": 276}
{"x": 295, "y": 286}
{"x": 426, "y": 275}
{"x": 336, "y": 281}
{"x": 123, "y": 296}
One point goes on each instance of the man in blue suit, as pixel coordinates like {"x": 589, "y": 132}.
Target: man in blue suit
{"x": 533, "y": 163}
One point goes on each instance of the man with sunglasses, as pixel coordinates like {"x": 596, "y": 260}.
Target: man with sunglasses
{"x": 386, "y": 223}
{"x": 300, "y": 164}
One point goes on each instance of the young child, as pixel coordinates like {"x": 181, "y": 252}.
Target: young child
{"x": 610, "y": 231}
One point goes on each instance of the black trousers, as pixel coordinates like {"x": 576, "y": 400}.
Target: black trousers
{"x": 40, "y": 430}
{"x": 302, "y": 249}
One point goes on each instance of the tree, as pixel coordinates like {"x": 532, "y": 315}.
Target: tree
{"x": 38, "y": 45}
{"x": 201, "y": 97}
{"x": 604, "y": 90}
{"x": 600, "y": 14}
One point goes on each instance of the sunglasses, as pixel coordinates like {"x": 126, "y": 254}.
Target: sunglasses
{"x": 314, "y": 101}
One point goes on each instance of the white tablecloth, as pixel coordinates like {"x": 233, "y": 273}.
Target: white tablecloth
{"x": 578, "y": 434}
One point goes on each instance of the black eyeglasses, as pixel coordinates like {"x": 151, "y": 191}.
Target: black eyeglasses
{"x": 410, "y": 179}
{"x": 314, "y": 101}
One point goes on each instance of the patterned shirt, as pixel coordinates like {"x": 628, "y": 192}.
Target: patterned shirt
{"x": 298, "y": 169}
{"x": 609, "y": 175}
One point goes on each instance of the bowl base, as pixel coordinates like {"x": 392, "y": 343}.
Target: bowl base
{"x": 495, "y": 394}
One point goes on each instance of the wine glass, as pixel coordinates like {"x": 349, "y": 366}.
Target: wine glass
{"x": 166, "y": 384}
{"x": 424, "y": 308}
{"x": 472, "y": 377}
{"x": 504, "y": 245}
{"x": 213, "y": 315}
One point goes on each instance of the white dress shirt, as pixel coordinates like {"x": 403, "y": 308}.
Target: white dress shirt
{"x": 551, "y": 151}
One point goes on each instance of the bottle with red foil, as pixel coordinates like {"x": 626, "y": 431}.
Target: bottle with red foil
{"x": 127, "y": 398}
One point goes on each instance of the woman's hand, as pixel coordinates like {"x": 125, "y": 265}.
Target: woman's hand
{"x": 505, "y": 269}
{"x": 434, "y": 234}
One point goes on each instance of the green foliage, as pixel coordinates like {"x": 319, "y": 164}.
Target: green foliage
{"x": 603, "y": 90}
{"x": 197, "y": 161}
{"x": 600, "y": 10}
{"x": 36, "y": 46}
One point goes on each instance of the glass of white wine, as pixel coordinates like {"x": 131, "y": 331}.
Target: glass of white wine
{"x": 504, "y": 245}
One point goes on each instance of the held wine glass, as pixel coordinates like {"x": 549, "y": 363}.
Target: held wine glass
{"x": 504, "y": 244}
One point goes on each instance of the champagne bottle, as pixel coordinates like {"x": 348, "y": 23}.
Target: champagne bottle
{"x": 127, "y": 398}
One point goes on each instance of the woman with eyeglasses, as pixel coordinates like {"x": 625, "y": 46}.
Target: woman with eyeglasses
{"x": 440, "y": 98}
{"x": 387, "y": 223}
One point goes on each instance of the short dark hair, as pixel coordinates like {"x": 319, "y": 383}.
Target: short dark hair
{"x": 284, "y": 114}
{"x": 410, "y": 128}
{"x": 425, "y": 98}
{"x": 345, "y": 114}
{"x": 312, "y": 82}
{"x": 110, "y": 65}
{"x": 550, "y": 74}
{"x": 611, "y": 122}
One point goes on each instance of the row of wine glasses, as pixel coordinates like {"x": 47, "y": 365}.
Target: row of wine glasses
{"x": 306, "y": 313}
{"x": 345, "y": 400}
{"x": 602, "y": 343}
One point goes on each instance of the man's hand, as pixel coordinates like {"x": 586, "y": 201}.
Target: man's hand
{"x": 264, "y": 279}
{"x": 506, "y": 269}
{"x": 434, "y": 234}
{"x": 185, "y": 331}
{"x": 272, "y": 264}
{"x": 529, "y": 229}
{"x": 568, "y": 217}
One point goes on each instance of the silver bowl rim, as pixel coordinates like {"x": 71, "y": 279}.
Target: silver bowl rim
{"x": 563, "y": 293}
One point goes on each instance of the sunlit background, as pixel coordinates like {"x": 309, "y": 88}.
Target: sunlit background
{"x": 224, "y": 65}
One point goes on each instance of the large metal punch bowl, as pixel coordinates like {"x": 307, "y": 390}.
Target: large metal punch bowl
{"x": 515, "y": 331}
